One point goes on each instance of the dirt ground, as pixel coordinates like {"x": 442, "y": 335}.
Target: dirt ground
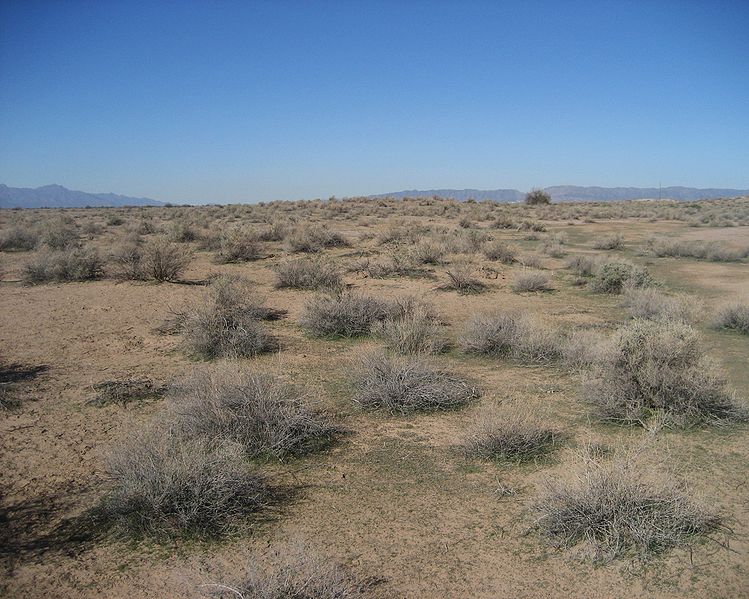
{"x": 395, "y": 498}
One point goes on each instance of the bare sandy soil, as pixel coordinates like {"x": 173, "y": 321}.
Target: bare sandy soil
{"x": 395, "y": 498}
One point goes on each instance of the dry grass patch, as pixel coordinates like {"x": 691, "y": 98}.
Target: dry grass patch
{"x": 124, "y": 391}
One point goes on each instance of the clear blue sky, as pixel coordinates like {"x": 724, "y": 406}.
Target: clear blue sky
{"x": 239, "y": 101}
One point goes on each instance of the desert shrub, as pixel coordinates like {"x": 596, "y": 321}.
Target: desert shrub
{"x": 163, "y": 260}
{"x": 462, "y": 278}
{"x": 529, "y": 280}
{"x": 126, "y": 262}
{"x": 582, "y": 265}
{"x": 308, "y": 273}
{"x": 114, "y": 220}
{"x": 145, "y": 227}
{"x": 701, "y": 250}
{"x": 734, "y": 316}
{"x": 294, "y": 572}
{"x": 312, "y": 239}
{"x": 616, "y": 509}
{"x": 226, "y": 322}
{"x": 504, "y": 222}
{"x": 499, "y": 250}
{"x": 183, "y": 232}
{"x": 583, "y": 348}
{"x": 517, "y": 335}
{"x": 342, "y": 315}
{"x": 537, "y": 197}
{"x": 163, "y": 486}
{"x": 411, "y": 327}
{"x": 272, "y": 232}
{"x": 534, "y": 226}
{"x": 428, "y": 251}
{"x": 511, "y": 434}
{"x": 237, "y": 246}
{"x": 658, "y": 367}
{"x": 530, "y": 261}
{"x": 614, "y": 241}
{"x": 59, "y": 234}
{"x": 18, "y": 239}
{"x": 123, "y": 391}
{"x": 61, "y": 266}
{"x": 264, "y": 415}
{"x": 614, "y": 276}
{"x": 653, "y": 304}
{"x": 407, "y": 384}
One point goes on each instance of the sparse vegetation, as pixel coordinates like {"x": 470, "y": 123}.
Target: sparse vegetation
{"x": 123, "y": 391}
{"x": 530, "y": 281}
{"x": 614, "y": 276}
{"x": 308, "y": 273}
{"x": 60, "y": 266}
{"x": 412, "y": 327}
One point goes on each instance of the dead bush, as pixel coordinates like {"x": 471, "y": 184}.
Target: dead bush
{"x": 531, "y": 281}
{"x": 225, "y": 324}
{"x": 59, "y": 234}
{"x": 733, "y": 316}
{"x": 407, "y": 384}
{"x": 162, "y": 260}
{"x": 582, "y": 265}
{"x": 616, "y": 509}
{"x": 312, "y": 239}
{"x": 517, "y": 335}
{"x": 308, "y": 273}
{"x": 658, "y": 367}
{"x": 511, "y": 434}
{"x": 412, "y": 327}
{"x": 342, "y": 315}
{"x": 60, "y": 266}
{"x": 163, "y": 486}
{"x": 264, "y": 415}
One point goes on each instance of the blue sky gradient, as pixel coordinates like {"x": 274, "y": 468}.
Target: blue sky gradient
{"x": 238, "y": 101}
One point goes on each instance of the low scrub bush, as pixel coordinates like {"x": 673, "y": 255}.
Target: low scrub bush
{"x": 18, "y": 239}
{"x": 614, "y": 241}
{"x": 124, "y": 391}
{"x": 342, "y": 315}
{"x": 584, "y": 348}
{"x": 616, "y": 509}
{"x": 407, "y": 384}
{"x": 511, "y": 434}
{"x": 60, "y": 266}
{"x": 734, "y": 316}
{"x": 159, "y": 260}
{"x": 225, "y": 324}
{"x": 59, "y": 234}
{"x": 659, "y": 367}
{"x": 582, "y": 265}
{"x": 237, "y": 246}
{"x": 652, "y": 304}
{"x": 614, "y": 276}
{"x": 517, "y": 335}
{"x": 308, "y": 273}
{"x": 312, "y": 239}
{"x": 462, "y": 278}
{"x": 530, "y": 281}
{"x": 163, "y": 486}
{"x": 411, "y": 327}
{"x": 701, "y": 250}
{"x": 264, "y": 415}
{"x": 501, "y": 251}
{"x": 294, "y": 572}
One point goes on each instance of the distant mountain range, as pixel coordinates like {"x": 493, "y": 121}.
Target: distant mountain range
{"x": 570, "y": 193}
{"x": 57, "y": 196}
